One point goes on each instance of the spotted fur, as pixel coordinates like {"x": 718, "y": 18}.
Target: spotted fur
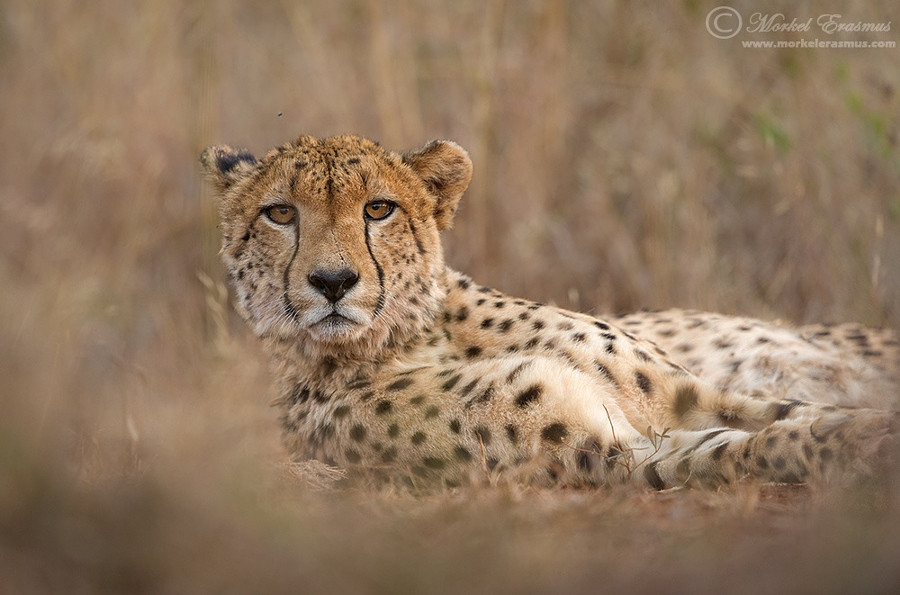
{"x": 391, "y": 364}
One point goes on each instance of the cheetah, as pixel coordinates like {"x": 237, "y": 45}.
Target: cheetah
{"x": 391, "y": 365}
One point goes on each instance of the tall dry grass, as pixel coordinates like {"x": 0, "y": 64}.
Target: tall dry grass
{"x": 624, "y": 159}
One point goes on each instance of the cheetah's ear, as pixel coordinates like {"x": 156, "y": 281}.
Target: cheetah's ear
{"x": 446, "y": 169}
{"x": 225, "y": 166}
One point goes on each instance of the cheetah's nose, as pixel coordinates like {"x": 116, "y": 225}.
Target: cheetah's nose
{"x": 333, "y": 284}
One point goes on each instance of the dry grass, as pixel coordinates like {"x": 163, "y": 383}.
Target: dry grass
{"x": 624, "y": 158}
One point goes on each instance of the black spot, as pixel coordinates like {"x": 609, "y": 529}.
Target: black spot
{"x": 601, "y": 325}
{"x": 790, "y": 477}
{"x": 652, "y": 476}
{"x": 462, "y": 454}
{"x": 462, "y": 314}
{"x": 484, "y": 434}
{"x": 433, "y": 463}
{"x": 329, "y": 366}
{"x": 555, "y": 433}
{"x": 487, "y": 323}
{"x": 469, "y": 388}
{"x": 529, "y": 395}
{"x": 389, "y": 455}
{"x": 516, "y": 372}
{"x": 473, "y": 351}
{"x": 512, "y": 433}
{"x": 686, "y": 398}
{"x": 710, "y": 435}
{"x": 417, "y": 400}
{"x": 451, "y": 382}
{"x": 719, "y": 451}
{"x": 524, "y": 315}
{"x": 780, "y": 464}
{"x": 771, "y": 440}
{"x": 300, "y": 394}
{"x": 418, "y": 438}
{"x": 432, "y": 412}
{"x": 393, "y": 430}
{"x": 383, "y": 407}
{"x": 359, "y": 383}
{"x": 643, "y": 382}
{"x": 505, "y": 325}
{"x": 537, "y": 325}
{"x": 463, "y": 283}
{"x": 341, "y": 412}
{"x": 642, "y": 355}
{"x": 358, "y": 433}
{"x": 400, "y": 384}
{"x": 606, "y": 373}
{"x": 762, "y": 463}
{"x": 499, "y": 304}
{"x": 584, "y": 459}
{"x": 782, "y": 410}
{"x": 455, "y": 426}
{"x": 246, "y": 237}
{"x": 485, "y": 395}
{"x": 579, "y": 337}
{"x": 532, "y": 342}
{"x": 367, "y": 396}
{"x": 352, "y": 456}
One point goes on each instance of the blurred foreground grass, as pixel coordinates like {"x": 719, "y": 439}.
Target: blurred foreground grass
{"x": 624, "y": 158}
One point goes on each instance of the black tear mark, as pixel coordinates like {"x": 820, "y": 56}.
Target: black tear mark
{"x": 379, "y": 305}
{"x": 288, "y": 306}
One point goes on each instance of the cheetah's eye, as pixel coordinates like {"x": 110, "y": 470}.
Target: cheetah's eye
{"x": 281, "y": 214}
{"x": 379, "y": 209}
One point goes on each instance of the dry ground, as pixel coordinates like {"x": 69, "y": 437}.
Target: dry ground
{"x": 624, "y": 159}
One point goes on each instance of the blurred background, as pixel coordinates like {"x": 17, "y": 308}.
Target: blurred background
{"x": 624, "y": 158}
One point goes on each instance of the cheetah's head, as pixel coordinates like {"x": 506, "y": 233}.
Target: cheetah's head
{"x": 334, "y": 242}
